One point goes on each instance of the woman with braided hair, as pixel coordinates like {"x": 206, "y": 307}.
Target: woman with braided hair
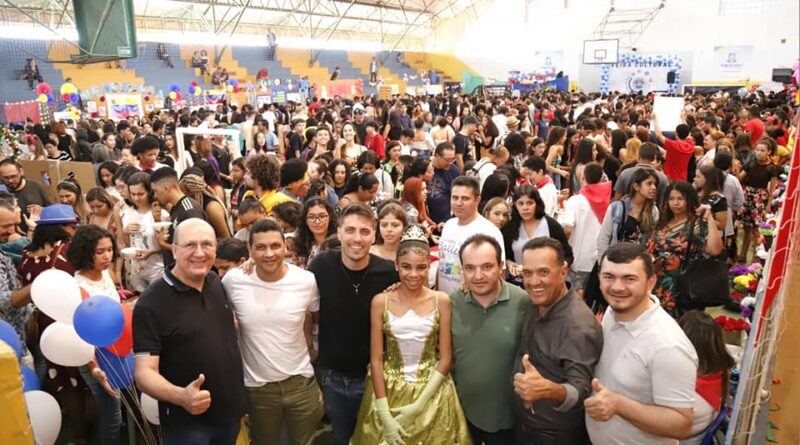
{"x": 409, "y": 397}
{"x": 195, "y": 187}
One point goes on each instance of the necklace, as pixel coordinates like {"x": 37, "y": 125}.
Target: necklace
{"x": 350, "y": 280}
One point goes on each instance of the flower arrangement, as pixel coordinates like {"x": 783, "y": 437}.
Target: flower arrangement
{"x": 10, "y": 142}
{"x": 729, "y": 324}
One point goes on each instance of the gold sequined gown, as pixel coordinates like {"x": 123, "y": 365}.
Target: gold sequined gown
{"x": 411, "y": 353}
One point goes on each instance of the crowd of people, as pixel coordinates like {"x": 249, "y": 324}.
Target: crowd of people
{"x": 431, "y": 270}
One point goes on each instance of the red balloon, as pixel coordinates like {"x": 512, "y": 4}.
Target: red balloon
{"x": 65, "y": 96}
{"x": 194, "y": 83}
{"x": 124, "y": 344}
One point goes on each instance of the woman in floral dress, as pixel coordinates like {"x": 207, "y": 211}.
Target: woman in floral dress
{"x": 685, "y": 227}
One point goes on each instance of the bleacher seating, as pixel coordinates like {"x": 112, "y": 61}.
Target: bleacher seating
{"x": 13, "y": 54}
{"x": 155, "y": 71}
{"x": 148, "y": 68}
{"x": 254, "y": 59}
{"x": 390, "y": 62}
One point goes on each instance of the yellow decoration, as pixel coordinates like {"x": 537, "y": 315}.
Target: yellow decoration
{"x": 42, "y": 98}
{"x": 229, "y": 88}
{"x": 68, "y": 88}
{"x": 14, "y": 424}
{"x": 172, "y": 95}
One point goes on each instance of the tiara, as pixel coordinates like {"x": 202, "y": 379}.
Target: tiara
{"x": 414, "y": 233}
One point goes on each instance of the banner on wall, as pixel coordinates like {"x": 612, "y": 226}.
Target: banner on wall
{"x": 639, "y": 73}
{"x": 343, "y": 88}
{"x": 730, "y": 61}
{"x": 123, "y": 106}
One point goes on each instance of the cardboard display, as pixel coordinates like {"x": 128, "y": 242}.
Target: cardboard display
{"x": 49, "y": 173}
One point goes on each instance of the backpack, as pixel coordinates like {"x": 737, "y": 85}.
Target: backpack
{"x": 477, "y": 168}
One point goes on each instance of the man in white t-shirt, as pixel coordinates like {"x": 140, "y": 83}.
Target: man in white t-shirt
{"x": 535, "y": 171}
{"x": 271, "y": 304}
{"x": 644, "y": 385}
{"x": 582, "y": 219}
{"x": 464, "y": 199}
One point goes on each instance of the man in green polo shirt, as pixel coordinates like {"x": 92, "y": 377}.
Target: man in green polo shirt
{"x": 486, "y": 324}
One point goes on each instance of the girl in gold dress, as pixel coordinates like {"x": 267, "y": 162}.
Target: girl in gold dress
{"x": 409, "y": 397}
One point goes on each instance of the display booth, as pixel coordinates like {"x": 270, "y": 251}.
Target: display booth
{"x": 642, "y": 73}
{"x": 21, "y": 112}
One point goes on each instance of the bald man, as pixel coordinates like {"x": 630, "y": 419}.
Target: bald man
{"x": 185, "y": 345}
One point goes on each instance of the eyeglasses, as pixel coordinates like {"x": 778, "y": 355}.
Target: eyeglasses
{"x": 205, "y": 246}
{"x": 317, "y": 218}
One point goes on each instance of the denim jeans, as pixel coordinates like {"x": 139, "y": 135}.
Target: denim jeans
{"x": 342, "y": 397}
{"x": 198, "y": 434}
{"x": 109, "y": 410}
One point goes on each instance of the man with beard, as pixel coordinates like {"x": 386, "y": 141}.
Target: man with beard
{"x": 31, "y": 196}
{"x": 347, "y": 281}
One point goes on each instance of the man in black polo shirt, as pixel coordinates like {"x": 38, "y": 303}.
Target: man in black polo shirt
{"x": 164, "y": 182}
{"x": 347, "y": 280}
{"x": 30, "y": 195}
{"x": 187, "y": 356}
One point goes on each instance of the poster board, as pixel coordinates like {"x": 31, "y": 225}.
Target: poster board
{"x": 668, "y": 111}
{"x": 49, "y": 173}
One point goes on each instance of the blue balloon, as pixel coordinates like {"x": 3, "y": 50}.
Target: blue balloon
{"x": 119, "y": 370}
{"x": 30, "y": 382}
{"x": 74, "y": 98}
{"x": 192, "y": 89}
{"x": 50, "y": 98}
{"x": 175, "y": 87}
{"x": 9, "y": 335}
{"x": 99, "y": 320}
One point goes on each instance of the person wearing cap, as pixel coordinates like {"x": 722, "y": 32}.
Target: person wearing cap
{"x": 463, "y": 141}
{"x": 359, "y": 121}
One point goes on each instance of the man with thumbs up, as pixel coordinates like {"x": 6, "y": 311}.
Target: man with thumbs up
{"x": 185, "y": 345}
{"x": 560, "y": 343}
{"x": 645, "y": 379}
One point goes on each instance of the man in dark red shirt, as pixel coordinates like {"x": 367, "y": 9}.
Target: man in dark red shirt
{"x": 754, "y": 126}
{"x": 374, "y": 141}
{"x": 679, "y": 152}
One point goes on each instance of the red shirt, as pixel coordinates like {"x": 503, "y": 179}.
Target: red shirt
{"x": 756, "y": 129}
{"x": 314, "y": 107}
{"x": 676, "y": 163}
{"x": 376, "y": 144}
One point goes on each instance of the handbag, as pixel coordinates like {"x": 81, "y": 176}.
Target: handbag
{"x": 702, "y": 281}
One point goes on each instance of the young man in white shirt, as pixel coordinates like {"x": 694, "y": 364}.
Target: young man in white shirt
{"x": 644, "y": 385}
{"x": 464, "y": 199}
{"x": 535, "y": 171}
{"x": 582, "y": 219}
{"x": 274, "y": 306}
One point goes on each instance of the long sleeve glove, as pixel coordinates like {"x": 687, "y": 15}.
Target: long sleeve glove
{"x": 393, "y": 433}
{"x": 406, "y": 414}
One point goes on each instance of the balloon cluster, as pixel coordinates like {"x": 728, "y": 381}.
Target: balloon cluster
{"x": 70, "y": 93}
{"x": 233, "y": 86}
{"x": 175, "y": 92}
{"x": 195, "y": 89}
{"x": 85, "y": 328}
{"x": 44, "y": 93}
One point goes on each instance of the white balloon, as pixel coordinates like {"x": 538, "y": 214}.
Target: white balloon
{"x": 57, "y": 294}
{"x": 61, "y": 345}
{"x": 150, "y": 409}
{"x": 45, "y": 416}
